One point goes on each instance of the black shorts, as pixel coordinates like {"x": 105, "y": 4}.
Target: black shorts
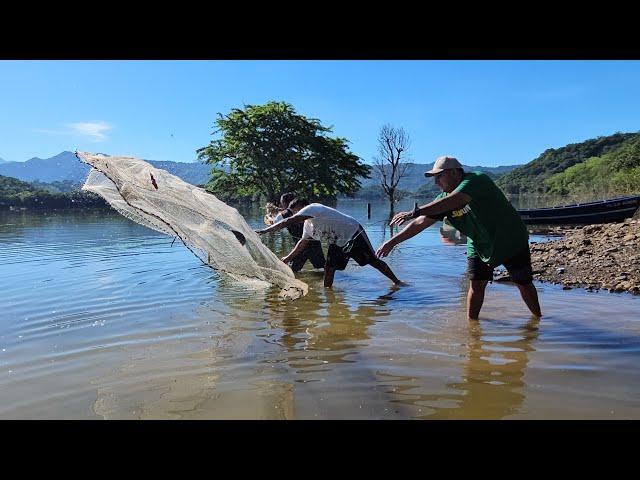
{"x": 518, "y": 266}
{"x": 359, "y": 248}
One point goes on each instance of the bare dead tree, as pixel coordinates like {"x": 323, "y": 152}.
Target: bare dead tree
{"x": 391, "y": 162}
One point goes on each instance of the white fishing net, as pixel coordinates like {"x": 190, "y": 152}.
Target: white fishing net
{"x": 215, "y": 232}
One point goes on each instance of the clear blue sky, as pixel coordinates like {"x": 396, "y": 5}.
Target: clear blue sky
{"x": 484, "y": 112}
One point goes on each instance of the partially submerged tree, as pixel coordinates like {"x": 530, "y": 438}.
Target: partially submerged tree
{"x": 391, "y": 161}
{"x": 270, "y": 149}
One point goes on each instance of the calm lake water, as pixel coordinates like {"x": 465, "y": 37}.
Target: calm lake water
{"x": 103, "y": 318}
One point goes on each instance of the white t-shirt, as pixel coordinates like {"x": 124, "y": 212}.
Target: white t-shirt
{"x": 328, "y": 224}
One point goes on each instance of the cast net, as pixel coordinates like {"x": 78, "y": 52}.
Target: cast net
{"x": 215, "y": 232}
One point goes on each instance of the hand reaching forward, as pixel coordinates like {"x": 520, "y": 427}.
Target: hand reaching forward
{"x": 400, "y": 218}
{"x": 384, "y": 249}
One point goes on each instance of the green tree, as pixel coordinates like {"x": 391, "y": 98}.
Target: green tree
{"x": 270, "y": 149}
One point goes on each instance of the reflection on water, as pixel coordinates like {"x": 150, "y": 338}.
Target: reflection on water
{"x": 329, "y": 331}
{"x": 451, "y": 236}
{"x": 491, "y": 383}
{"x": 102, "y": 318}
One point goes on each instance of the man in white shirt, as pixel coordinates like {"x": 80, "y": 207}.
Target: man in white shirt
{"x": 312, "y": 251}
{"x": 346, "y": 238}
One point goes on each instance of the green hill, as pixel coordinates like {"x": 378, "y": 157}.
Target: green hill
{"x": 614, "y": 173}
{"x": 16, "y": 193}
{"x": 530, "y": 178}
{"x": 12, "y": 186}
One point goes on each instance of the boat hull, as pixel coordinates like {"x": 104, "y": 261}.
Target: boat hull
{"x": 605, "y": 211}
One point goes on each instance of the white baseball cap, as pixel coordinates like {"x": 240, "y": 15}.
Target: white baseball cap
{"x": 443, "y": 163}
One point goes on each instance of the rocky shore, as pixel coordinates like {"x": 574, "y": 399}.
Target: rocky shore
{"x": 593, "y": 257}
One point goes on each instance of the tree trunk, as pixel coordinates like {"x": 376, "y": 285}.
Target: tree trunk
{"x": 392, "y": 198}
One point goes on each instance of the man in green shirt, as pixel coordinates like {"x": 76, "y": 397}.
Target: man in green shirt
{"x": 496, "y": 235}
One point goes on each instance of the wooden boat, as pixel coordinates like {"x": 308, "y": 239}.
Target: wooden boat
{"x": 603, "y": 211}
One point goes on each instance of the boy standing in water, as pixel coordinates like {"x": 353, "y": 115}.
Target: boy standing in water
{"x": 313, "y": 249}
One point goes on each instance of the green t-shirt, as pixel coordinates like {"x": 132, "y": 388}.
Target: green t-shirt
{"x": 495, "y": 232}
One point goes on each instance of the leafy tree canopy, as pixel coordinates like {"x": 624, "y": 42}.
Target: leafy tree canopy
{"x": 270, "y": 149}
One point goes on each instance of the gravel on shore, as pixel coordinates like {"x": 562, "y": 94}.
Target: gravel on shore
{"x": 593, "y": 257}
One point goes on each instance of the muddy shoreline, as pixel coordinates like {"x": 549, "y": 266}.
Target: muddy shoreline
{"x": 592, "y": 257}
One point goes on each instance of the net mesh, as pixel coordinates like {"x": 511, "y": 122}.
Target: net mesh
{"x": 215, "y": 232}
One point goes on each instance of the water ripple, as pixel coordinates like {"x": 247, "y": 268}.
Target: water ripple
{"x": 101, "y": 318}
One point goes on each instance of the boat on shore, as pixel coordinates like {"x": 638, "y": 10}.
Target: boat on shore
{"x": 603, "y": 211}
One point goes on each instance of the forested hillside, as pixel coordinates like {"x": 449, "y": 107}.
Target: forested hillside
{"x": 614, "y": 173}
{"x": 530, "y": 178}
{"x": 16, "y": 193}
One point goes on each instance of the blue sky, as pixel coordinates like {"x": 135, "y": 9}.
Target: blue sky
{"x": 484, "y": 112}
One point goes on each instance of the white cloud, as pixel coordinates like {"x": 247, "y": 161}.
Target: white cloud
{"x": 94, "y": 130}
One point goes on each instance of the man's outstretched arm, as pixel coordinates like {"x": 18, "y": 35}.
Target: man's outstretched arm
{"x": 300, "y": 246}
{"x": 454, "y": 201}
{"x": 413, "y": 228}
{"x": 284, "y": 223}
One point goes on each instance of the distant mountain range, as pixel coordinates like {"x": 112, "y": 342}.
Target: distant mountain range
{"x": 414, "y": 176}
{"x": 65, "y": 167}
{"x": 417, "y": 184}
{"x": 610, "y": 162}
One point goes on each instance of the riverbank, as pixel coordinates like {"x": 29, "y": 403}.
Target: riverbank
{"x": 593, "y": 257}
